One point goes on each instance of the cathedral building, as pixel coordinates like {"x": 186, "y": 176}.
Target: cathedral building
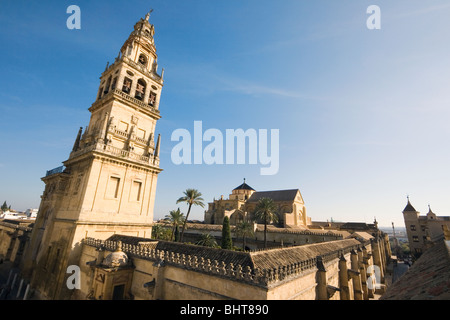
{"x": 243, "y": 200}
{"x": 108, "y": 183}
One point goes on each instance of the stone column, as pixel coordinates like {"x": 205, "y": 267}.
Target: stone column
{"x": 365, "y": 264}
{"x": 355, "y": 275}
{"x": 158, "y": 293}
{"x": 20, "y": 289}
{"x": 343, "y": 279}
{"x": 362, "y": 270}
{"x": 27, "y": 290}
{"x": 321, "y": 277}
{"x": 377, "y": 259}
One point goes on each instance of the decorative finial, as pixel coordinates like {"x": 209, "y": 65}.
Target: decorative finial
{"x": 244, "y": 180}
{"x": 147, "y": 16}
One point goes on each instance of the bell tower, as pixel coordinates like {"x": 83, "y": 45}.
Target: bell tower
{"x": 107, "y": 185}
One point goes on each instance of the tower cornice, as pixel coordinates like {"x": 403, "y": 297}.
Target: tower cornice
{"x": 117, "y": 95}
{"x": 110, "y": 153}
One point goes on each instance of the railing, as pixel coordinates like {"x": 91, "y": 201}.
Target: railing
{"x": 119, "y": 132}
{"x": 108, "y": 149}
{"x": 127, "y": 97}
{"x": 125, "y": 135}
{"x": 134, "y": 100}
{"x": 140, "y": 140}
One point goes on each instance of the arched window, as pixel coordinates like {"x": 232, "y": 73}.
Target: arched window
{"x": 100, "y": 92}
{"x": 140, "y": 89}
{"x": 114, "y": 83}
{"x": 108, "y": 83}
{"x": 152, "y": 98}
{"x": 143, "y": 60}
{"x": 127, "y": 85}
{"x": 129, "y": 49}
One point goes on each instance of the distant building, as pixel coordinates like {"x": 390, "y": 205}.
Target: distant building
{"x": 11, "y": 215}
{"x": 423, "y": 231}
{"x": 31, "y": 213}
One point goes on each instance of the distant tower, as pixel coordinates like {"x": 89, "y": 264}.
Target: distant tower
{"x": 411, "y": 217}
{"x": 395, "y": 240}
{"x": 243, "y": 192}
{"x": 108, "y": 184}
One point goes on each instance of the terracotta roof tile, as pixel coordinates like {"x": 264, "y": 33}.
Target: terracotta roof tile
{"x": 279, "y": 195}
{"x": 427, "y": 279}
{"x": 274, "y": 258}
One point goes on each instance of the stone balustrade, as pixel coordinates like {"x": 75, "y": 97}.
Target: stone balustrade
{"x": 116, "y": 152}
{"x": 261, "y": 277}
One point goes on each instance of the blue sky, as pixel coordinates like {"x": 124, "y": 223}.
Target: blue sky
{"x": 363, "y": 114}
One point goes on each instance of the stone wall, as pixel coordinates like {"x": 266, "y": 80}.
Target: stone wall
{"x": 334, "y": 270}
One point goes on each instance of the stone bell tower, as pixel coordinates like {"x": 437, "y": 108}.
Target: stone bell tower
{"x": 107, "y": 185}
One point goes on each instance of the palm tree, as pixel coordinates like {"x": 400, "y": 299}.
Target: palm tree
{"x": 244, "y": 229}
{"x": 266, "y": 210}
{"x": 207, "y": 240}
{"x": 191, "y": 197}
{"x": 176, "y": 218}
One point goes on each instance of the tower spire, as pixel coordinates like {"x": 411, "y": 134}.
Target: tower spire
{"x": 76, "y": 145}
{"x": 147, "y": 16}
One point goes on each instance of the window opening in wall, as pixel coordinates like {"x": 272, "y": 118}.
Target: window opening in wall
{"x": 152, "y": 98}
{"x": 55, "y": 261}
{"x": 118, "y": 292}
{"x": 113, "y": 187}
{"x": 136, "y": 190}
{"x": 108, "y": 83}
{"x": 142, "y": 60}
{"x": 127, "y": 85}
{"x": 48, "y": 257}
{"x": 140, "y": 89}
{"x": 100, "y": 91}
{"x": 114, "y": 83}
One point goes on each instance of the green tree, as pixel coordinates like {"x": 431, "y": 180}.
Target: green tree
{"x": 4, "y": 206}
{"x": 160, "y": 232}
{"x": 177, "y": 234}
{"x": 227, "y": 243}
{"x": 191, "y": 197}
{"x": 207, "y": 240}
{"x": 176, "y": 218}
{"x": 244, "y": 229}
{"x": 266, "y": 211}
